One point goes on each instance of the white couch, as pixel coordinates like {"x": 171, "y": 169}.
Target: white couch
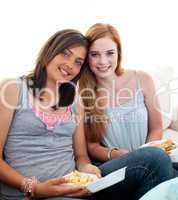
{"x": 166, "y": 82}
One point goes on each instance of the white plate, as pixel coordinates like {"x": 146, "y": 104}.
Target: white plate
{"x": 104, "y": 182}
{"x": 173, "y": 153}
{"x": 107, "y": 181}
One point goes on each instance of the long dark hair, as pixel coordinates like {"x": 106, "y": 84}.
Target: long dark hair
{"x": 56, "y": 44}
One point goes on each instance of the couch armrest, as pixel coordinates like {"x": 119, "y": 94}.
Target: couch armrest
{"x": 174, "y": 123}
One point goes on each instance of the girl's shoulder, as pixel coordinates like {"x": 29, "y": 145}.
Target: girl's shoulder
{"x": 145, "y": 78}
{"x": 10, "y": 91}
{"x": 11, "y": 86}
{"x": 130, "y": 73}
{"x": 142, "y": 78}
{"x": 143, "y": 75}
{"x": 127, "y": 77}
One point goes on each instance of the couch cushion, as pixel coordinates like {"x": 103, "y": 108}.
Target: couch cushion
{"x": 162, "y": 84}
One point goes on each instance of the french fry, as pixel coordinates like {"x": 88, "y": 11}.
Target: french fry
{"x": 167, "y": 145}
{"x": 78, "y": 179}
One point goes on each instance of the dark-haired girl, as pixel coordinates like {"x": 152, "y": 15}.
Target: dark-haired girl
{"x": 41, "y": 131}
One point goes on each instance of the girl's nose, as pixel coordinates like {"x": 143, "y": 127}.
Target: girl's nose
{"x": 103, "y": 60}
{"x": 70, "y": 64}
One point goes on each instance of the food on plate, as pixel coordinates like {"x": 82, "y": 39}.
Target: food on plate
{"x": 79, "y": 179}
{"x": 167, "y": 145}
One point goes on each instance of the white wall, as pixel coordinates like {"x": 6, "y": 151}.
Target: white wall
{"x": 148, "y": 29}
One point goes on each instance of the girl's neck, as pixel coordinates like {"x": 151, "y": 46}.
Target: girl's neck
{"x": 107, "y": 82}
{"x": 50, "y": 92}
{"x": 51, "y": 86}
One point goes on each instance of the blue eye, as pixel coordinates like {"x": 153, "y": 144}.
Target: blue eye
{"x": 110, "y": 53}
{"x": 94, "y": 54}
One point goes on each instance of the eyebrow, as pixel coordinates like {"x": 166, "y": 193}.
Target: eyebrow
{"x": 73, "y": 54}
{"x": 104, "y": 51}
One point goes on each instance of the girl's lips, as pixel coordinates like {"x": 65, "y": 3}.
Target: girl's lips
{"x": 64, "y": 72}
{"x": 103, "y": 69}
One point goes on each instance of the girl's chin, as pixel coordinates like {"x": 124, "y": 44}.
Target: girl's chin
{"x": 63, "y": 79}
{"x": 104, "y": 74}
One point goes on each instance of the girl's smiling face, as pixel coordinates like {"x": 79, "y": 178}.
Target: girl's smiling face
{"x": 103, "y": 57}
{"x": 67, "y": 64}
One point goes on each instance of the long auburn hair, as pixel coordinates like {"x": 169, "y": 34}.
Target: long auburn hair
{"x": 95, "y": 117}
{"x": 56, "y": 44}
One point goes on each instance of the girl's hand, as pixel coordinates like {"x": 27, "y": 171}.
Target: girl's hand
{"x": 58, "y": 187}
{"x": 89, "y": 168}
{"x": 118, "y": 152}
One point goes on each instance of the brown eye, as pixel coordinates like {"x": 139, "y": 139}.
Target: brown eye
{"x": 79, "y": 63}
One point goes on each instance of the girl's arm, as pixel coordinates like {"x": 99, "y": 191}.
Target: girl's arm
{"x": 80, "y": 147}
{"x": 155, "y": 127}
{"x": 8, "y": 98}
{"x": 101, "y": 153}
